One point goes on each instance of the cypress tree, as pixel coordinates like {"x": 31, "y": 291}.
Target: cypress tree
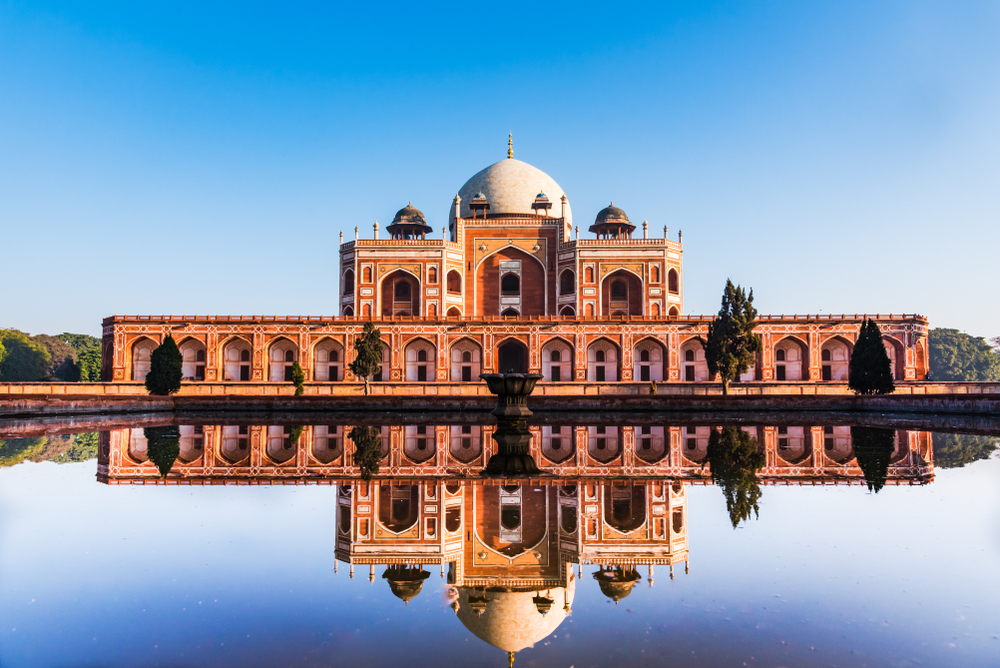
{"x": 165, "y": 373}
{"x": 368, "y": 359}
{"x": 870, "y": 371}
{"x": 873, "y": 448}
{"x": 164, "y": 447}
{"x": 298, "y": 378}
{"x": 731, "y": 345}
{"x": 367, "y": 450}
{"x": 734, "y": 457}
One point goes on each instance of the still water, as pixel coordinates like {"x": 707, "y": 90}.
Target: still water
{"x": 707, "y": 541}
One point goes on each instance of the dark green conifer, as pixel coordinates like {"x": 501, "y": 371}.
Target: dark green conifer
{"x": 870, "y": 371}
{"x": 367, "y": 450}
{"x": 368, "y": 359}
{"x": 165, "y": 373}
{"x": 734, "y": 457}
{"x": 873, "y": 448}
{"x": 298, "y": 379}
{"x": 731, "y": 346}
{"x": 163, "y": 447}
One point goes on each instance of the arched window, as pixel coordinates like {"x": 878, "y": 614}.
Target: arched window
{"x": 826, "y": 355}
{"x": 432, "y": 275}
{"x": 465, "y": 361}
{"x": 674, "y": 312}
{"x": 557, "y": 360}
{"x": 654, "y": 274}
{"x": 619, "y": 290}
{"x": 366, "y": 275}
{"x": 349, "y": 282}
{"x": 600, "y": 355}
{"x": 589, "y": 274}
{"x": 567, "y": 282}
{"x": 644, "y": 356}
{"x": 673, "y": 281}
{"x": 780, "y": 355}
{"x": 244, "y": 355}
{"x": 419, "y": 361}
{"x": 199, "y": 356}
{"x": 454, "y": 282}
{"x": 688, "y": 355}
{"x": 510, "y": 285}
{"x": 402, "y": 291}
{"x": 510, "y": 313}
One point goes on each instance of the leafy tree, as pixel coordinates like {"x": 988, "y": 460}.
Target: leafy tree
{"x": 165, "y": 373}
{"x": 368, "y": 347}
{"x": 869, "y": 371}
{"x": 298, "y": 379}
{"x": 163, "y": 447}
{"x": 873, "y": 448}
{"x": 62, "y": 359}
{"x": 955, "y": 355}
{"x": 294, "y": 434}
{"x": 26, "y": 360}
{"x": 88, "y": 355}
{"x": 731, "y": 345}
{"x": 16, "y": 450}
{"x": 734, "y": 457}
{"x": 957, "y": 450}
{"x": 367, "y": 450}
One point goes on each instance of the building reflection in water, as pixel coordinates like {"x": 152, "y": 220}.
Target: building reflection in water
{"x": 512, "y": 552}
{"x": 508, "y": 551}
{"x": 297, "y": 454}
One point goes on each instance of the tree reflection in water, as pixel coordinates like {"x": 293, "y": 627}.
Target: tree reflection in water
{"x": 734, "y": 457}
{"x": 367, "y": 450}
{"x": 164, "y": 447}
{"x": 873, "y": 447}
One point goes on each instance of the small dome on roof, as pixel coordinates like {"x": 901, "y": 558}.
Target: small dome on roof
{"x": 409, "y": 214}
{"x": 616, "y": 583}
{"x": 611, "y": 214}
{"x": 613, "y": 221}
{"x": 405, "y": 582}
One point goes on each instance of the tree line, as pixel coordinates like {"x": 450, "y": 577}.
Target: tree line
{"x": 67, "y": 357}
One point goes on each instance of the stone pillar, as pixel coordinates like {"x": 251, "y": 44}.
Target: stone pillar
{"x": 815, "y": 370}
{"x": 818, "y": 449}
{"x": 625, "y": 360}
{"x": 766, "y": 357}
{"x": 258, "y": 443}
{"x": 259, "y": 358}
{"x": 375, "y": 237}
{"x": 645, "y": 229}
{"x": 213, "y": 363}
{"x": 580, "y": 357}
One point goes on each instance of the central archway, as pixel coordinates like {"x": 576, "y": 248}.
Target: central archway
{"x": 512, "y": 356}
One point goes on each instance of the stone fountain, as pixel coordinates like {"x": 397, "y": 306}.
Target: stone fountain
{"x": 513, "y": 457}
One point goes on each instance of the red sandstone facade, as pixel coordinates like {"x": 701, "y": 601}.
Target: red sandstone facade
{"x": 510, "y": 287}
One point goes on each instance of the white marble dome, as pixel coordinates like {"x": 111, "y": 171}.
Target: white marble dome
{"x": 511, "y": 621}
{"x": 511, "y": 186}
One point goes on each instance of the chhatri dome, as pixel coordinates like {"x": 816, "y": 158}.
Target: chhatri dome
{"x": 512, "y": 620}
{"x": 512, "y": 186}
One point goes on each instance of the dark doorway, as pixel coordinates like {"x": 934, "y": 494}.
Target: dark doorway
{"x": 513, "y": 356}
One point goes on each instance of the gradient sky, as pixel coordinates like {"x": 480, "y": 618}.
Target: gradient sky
{"x": 837, "y": 157}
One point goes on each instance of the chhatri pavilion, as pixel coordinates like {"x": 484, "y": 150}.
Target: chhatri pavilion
{"x": 507, "y": 283}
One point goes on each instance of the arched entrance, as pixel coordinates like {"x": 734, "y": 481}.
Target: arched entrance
{"x": 512, "y": 356}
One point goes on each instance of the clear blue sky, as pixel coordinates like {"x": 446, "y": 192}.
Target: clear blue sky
{"x": 837, "y": 157}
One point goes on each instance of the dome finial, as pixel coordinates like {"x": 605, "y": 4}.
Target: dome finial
{"x": 510, "y": 146}
{"x": 510, "y": 657}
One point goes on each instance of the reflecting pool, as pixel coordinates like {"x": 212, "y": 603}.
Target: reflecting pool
{"x": 794, "y": 540}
